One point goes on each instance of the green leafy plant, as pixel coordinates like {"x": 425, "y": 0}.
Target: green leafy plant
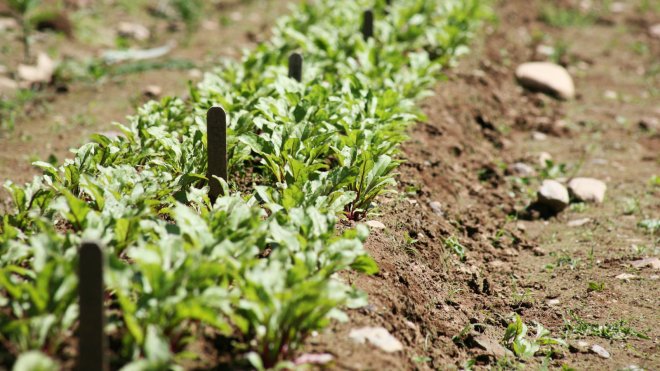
{"x": 259, "y": 265}
{"x": 516, "y": 339}
{"x": 596, "y": 286}
{"x": 455, "y": 246}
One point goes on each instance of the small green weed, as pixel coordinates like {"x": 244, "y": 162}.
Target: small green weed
{"x": 596, "y": 286}
{"x": 455, "y": 246}
{"x": 618, "y": 330}
{"x": 516, "y": 339}
{"x": 650, "y": 225}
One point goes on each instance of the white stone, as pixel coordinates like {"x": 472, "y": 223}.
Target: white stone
{"x": 314, "y": 358}
{"x": 587, "y": 189}
{"x": 377, "y": 336}
{"x": 522, "y": 169}
{"x": 600, "y": 351}
{"x": 538, "y": 136}
{"x": 42, "y": 72}
{"x": 545, "y": 50}
{"x": 654, "y": 263}
{"x": 552, "y": 302}
{"x": 655, "y": 30}
{"x": 375, "y": 224}
{"x": 553, "y": 195}
{"x": 578, "y": 222}
{"x": 547, "y": 77}
{"x": 133, "y": 30}
{"x": 436, "y": 207}
{"x": 626, "y": 277}
{"x": 611, "y": 94}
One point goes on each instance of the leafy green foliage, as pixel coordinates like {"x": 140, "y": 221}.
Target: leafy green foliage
{"x": 259, "y": 265}
{"x": 523, "y": 346}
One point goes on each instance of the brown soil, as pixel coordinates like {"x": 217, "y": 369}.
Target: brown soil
{"x": 479, "y": 121}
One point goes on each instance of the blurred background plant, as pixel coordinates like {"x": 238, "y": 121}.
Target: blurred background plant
{"x": 20, "y": 10}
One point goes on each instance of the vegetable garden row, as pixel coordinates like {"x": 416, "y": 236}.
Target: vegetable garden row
{"x": 258, "y": 265}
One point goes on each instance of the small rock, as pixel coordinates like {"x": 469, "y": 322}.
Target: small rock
{"x": 544, "y": 157}
{"x": 436, "y": 207}
{"x": 3, "y": 69}
{"x": 553, "y": 195}
{"x": 610, "y": 94}
{"x": 42, "y": 72}
{"x": 597, "y": 349}
{"x": 578, "y": 222}
{"x": 587, "y": 189}
{"x": 152, "y": 91}
{"x": 626, "y": 277}
{"x": 655, "y": 30}
{"x": 7, "y": 24}
{"x": 521, "y": 226}
{"x": 314, "y": 358}
{"x": 132, "y": 30}
{"x": 546, "y": 77}
{"x": 552, "y": 302}
{"x": 411, "y": 325}
{"x": 538, "y": 136}
{"x": 545, "y": 50}
{"x": 522, "y": 169}
{"x": 375, "y": 224}
{"x": 579, "y": 347}
{"x": 377, "y": 336}
{"x": 490, "y": 346}
{"x": 654, "y": 263}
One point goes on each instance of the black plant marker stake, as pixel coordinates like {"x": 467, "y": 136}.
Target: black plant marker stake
{"x": 216, "y": 128}
{"x": 92, "y": 340}
{"x": 368, "y": 24}
{"x": 295, "y": 66}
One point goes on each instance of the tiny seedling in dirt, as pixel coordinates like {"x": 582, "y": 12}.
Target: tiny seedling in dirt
{"x": 553, "y": 170}
{"x": 516, "y": 339}
{"x": 595, "y": 286}
{"x": 565, "y": 260}
{"x": 578, "y": 207}
{"x": 650, "y": 225}
{"x": 409, "y": 244}
{"x": 654, "y": 181}
{"x": 630, "y": 206}
{"x": 455, "y": 246}
{"x": 617, "y": 330}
